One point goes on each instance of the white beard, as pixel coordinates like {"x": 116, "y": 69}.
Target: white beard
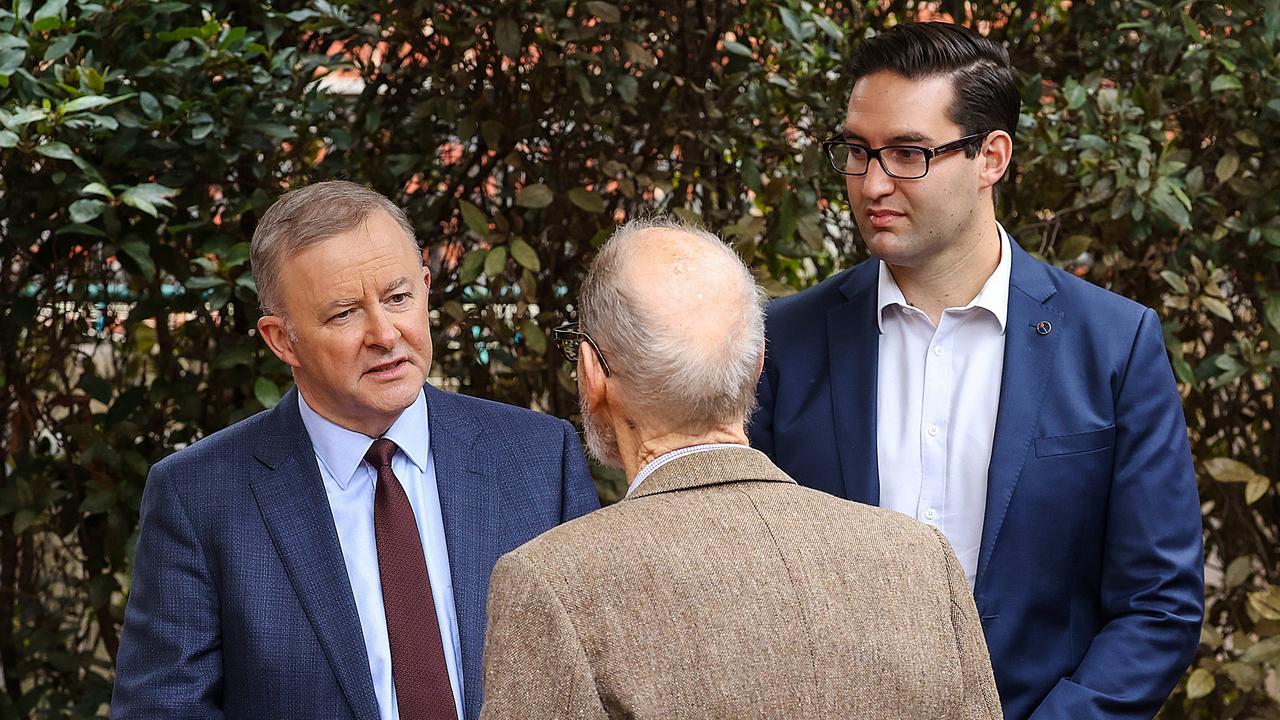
{"x": 602, "y": 441}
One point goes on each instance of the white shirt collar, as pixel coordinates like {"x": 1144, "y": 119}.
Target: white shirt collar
{"x": 665, "y": 458}
{"x": 993, "y": 297}
{"x": 341, "y": 450}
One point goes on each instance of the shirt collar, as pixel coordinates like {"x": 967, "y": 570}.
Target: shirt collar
{"x": 341, "y": 450}
{"x": 665, "y": 458}
{"x": 993, "y": 297}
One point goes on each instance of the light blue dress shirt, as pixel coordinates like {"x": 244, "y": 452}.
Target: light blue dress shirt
{"x": 349, "y": 482}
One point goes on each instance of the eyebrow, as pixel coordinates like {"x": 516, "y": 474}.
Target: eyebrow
{"x": 899, "y": 139}
{"x": 352, "y": 302}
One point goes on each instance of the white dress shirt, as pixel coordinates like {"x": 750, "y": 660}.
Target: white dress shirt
{"x": 349, "y": 482}
{"x": 665, "y": 458}
{"x": 937, "y": 395}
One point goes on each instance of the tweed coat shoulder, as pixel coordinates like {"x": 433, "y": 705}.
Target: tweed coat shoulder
{"x": 721, "y": 589}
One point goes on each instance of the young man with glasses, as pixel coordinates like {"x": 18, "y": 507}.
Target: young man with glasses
{"x": 1030, "y": 416}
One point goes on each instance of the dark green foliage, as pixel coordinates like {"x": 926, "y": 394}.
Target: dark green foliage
{"x": 140, "y": 141}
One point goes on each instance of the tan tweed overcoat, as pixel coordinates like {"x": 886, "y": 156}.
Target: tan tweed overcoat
{"x": 721, "y": 589}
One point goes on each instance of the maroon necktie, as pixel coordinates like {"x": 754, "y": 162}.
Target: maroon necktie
{"x": 421, "y": 678}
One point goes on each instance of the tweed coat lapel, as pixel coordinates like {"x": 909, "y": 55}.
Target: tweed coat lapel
{"x": 469, "y": 508}
{"x": 1029, "y": 350}
{"x": 853, "y": 343}
{"x": 710, "y": 467}
{"x": 291, "y": 496}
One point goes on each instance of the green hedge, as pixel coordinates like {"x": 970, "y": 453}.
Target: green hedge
{"x": 139, "y": 142}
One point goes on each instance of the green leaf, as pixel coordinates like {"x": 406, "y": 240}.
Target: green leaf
{"x": 23, "y": 117}
{"x": 1200, "y": 683}
{"x": 1266, "y": 602}
{"x": 1229, "y": 471}
{"x": 1256, "y": 489}
{"x": 474, "y": 218}
{"x": 51, "y": 9}
{"x": 508, "y": 36}
{"x": 1267, "y": 651}
{"x": 60, "y": 47}
{"x": 150, "y": 106}
{"x": 1237, "y": 572}
{"x": 587, "y": 200}
{"x": 1248, "y": 137}
{"x": 97, "y": 188}
{"x": 472, "y": 264}
{"x": 1217, "y": 307}
{"x": 1224, "y": 82}
{"x": 1227, "y": 166}
{"x": 1074, "y": 246}
{"x": 266, "y": 392}
{"x": 8, "y": 139}
{"x": 534, "y": 337}
{"x": 739, "y": 49}
{"x": 83, "y": 211}
{"x": 22, "y": 520}
{"x": 90, "y": 102}
{"x": 11, "y": 60}
{"x": 1245, "y": 675}
{"x": 495, "y": 263}
{"x": 57, "y": 151}
{"x": 605, "y": 11}
{"x": 534, "y": 196}
{"x": 638, "y": 54}
{"x": 1273, "y": 312}
{"x": 140, "y": 253}
{"x": 1175, "y": 281}
{"x": 147, "y": 197}
{"x": 525, "y": 255}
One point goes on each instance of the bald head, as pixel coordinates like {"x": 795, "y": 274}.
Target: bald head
{"x": 679, "y": 318}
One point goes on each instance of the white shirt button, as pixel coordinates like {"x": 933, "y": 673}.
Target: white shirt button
{"x": 930, "y": 514}
{"x": 933, "y": 431}
{"x": 938, "y": 351}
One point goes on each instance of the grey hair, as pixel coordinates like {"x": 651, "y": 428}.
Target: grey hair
{"x": 662, "y": 373}
{"x": 306, "y": 216}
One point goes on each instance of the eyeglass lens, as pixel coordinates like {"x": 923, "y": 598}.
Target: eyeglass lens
{"x": 902, "y": 162}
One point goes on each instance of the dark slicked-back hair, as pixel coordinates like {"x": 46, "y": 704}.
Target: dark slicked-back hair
{"x": 986, "y": 92}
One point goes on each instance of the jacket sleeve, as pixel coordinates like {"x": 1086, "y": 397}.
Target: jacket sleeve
{"x": 978, "y": 698}
{"x": 534, "y": 664}
{"x": 170, "y": 659}
{"x": 580, "y": 496}
{"x": 1152, "y": 590}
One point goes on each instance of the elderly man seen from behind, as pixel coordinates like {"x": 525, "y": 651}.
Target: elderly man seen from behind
{"x": 718, "y": 588}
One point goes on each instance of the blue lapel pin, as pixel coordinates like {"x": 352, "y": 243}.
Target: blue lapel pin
{"x": 1044, "y": 327}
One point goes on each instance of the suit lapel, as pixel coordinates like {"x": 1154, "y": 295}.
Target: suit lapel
{"x": 469, "y": 509}
{"x": 853, "y": 342}
{"x": 1028, "y": 363}
{"x": 295, "y": 508}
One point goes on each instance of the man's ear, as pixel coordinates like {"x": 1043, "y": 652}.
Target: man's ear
{"x": 592, "y": 381}
{"x": 276, "y": 335}
{"x": 995, "y": 155}
{"x": 426, "y": 269}
{"x": 760, "y": 361}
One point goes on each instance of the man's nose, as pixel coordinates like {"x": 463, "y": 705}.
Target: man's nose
{"x": 379, "y": 330}
{"x": 876, "y": 183}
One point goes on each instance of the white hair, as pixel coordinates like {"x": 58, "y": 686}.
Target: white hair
{"x": 665, "y": 374}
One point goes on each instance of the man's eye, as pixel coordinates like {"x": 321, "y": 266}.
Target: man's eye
{"x": 341, "y": 316}
{"x": 399, "y": 298}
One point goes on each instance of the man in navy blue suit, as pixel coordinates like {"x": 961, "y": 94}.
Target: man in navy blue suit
{"x": 330, "y": 557}
{"x": 1029, "y": 415}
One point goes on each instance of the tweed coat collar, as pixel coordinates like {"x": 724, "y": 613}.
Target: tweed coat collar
{"x": 712, "y": 467}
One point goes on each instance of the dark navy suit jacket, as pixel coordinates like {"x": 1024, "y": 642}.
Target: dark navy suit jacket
{"x": 1090, "y": 574}
{"x": 240, "y": 605}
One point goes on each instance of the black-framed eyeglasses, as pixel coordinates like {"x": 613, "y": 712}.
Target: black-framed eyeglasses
{"x": 569, "y": 337}
{"x": 905, "y": 162}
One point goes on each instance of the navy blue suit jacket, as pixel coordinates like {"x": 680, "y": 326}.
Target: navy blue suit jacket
{"x": 240, "y": 605}
{"x": 1090, "y": 574}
